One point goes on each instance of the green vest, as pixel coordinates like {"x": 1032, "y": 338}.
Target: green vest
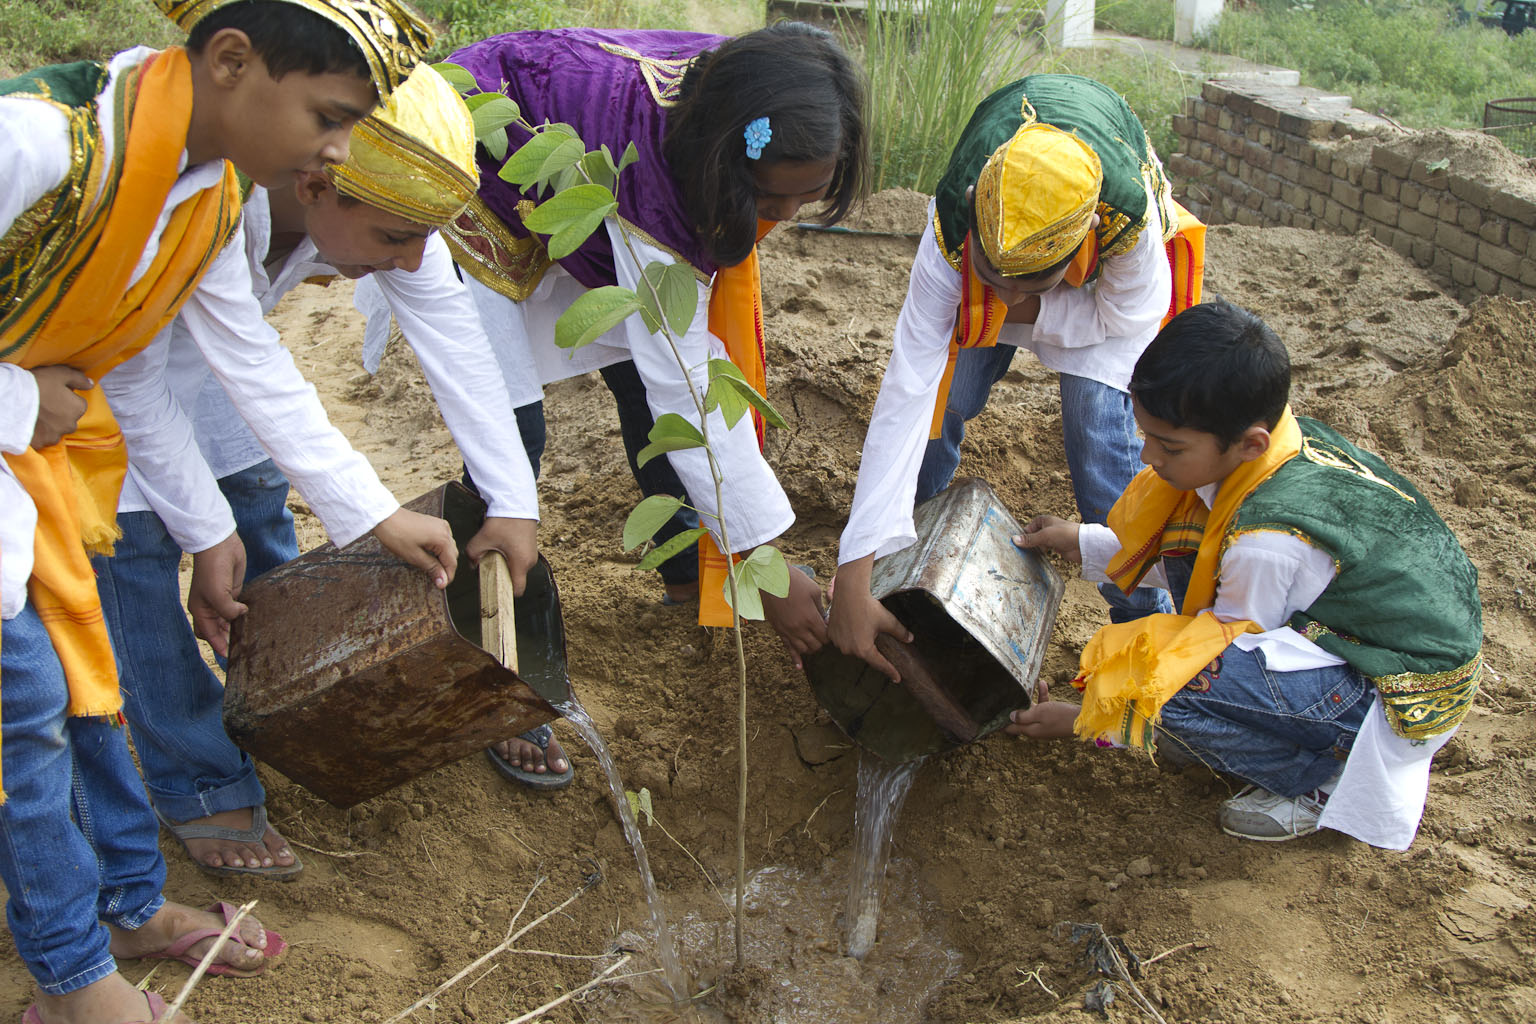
{"x": 39, "y": 237}
{"x": 1403, "y": 608}
{"x": 1094, "y": 113}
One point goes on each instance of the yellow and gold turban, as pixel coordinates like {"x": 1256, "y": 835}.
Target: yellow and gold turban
{"x": 415, "y": 155}
{"x": 391, "y": 35}
{"x": 1035, "y": 199}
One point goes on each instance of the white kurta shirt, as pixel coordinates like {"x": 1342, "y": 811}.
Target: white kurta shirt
{"x": 1097, "y": 331}
{"x": 1267, "y": 578}
{"x": 523, "y": 334}
{"x": 243, "y": 352}
{"x": 438, "y": 320}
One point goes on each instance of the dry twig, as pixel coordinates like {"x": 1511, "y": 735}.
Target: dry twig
{"x": 578, "y": 990}
{"x": 208, "y": 958}
{"x": 1194, "y": 944}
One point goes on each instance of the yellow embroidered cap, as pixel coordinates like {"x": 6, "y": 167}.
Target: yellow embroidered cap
{"x": 391, "y": 35}
{"x": 415, "y": 155}
{"x": 1035, "y": 199}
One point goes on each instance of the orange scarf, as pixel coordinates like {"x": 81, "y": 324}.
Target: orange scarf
{"x": 736, "y": 318}
{"x": 88, "y": 317}
{"x": 1129, "y": 670}
{"x": 981, "y": 313}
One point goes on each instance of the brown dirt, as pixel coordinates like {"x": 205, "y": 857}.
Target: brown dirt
{"x": 1000, "y": 841}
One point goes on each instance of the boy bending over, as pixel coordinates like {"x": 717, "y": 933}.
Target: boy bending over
{"x": 1331, "y": 633}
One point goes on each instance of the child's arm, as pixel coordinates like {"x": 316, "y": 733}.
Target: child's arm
{"x": 441, "y": 324}
{"x": 880, "y": 520}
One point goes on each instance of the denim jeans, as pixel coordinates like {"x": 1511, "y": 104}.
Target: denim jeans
{"x": 1098, "y": 432}
{"x": 1288, "y": 732}
{"x": 655, "y": 477}
{"x": 78, "y": 842}
{"x": 173, "y": 702}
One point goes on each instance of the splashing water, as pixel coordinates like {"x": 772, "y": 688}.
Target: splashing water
{"x": 672, "y": 970}
{"x": 883, "y": 788}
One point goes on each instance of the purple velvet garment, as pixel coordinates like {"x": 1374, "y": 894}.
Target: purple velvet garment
{"x": 567, "y": 75}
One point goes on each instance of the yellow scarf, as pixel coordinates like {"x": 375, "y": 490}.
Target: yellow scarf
{"x": 87, "y": 316}
{"x": 736, "y": 318}
{"x": 1129, "y": 670}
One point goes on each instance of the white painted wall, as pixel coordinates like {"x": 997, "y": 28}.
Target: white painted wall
{"x": 1070, "y": 22}
{"x": 1193, "y": 17}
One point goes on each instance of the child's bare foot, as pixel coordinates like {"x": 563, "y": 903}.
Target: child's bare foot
{"x": 237, "y": 841}
{"x": 112, "y": 999}
{"x": 680, "y": 593}
{"x": 243, "y": 951}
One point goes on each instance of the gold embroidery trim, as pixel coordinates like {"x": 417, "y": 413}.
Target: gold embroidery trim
{"x": 663, "y": 77}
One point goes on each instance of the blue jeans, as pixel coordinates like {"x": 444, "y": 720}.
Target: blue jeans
{"x": 78, "y": 842}
{"x": 1098, "y": 432}
{"x": 1288, "y": 732}
{"x": 655, "y": 477}
{"x": 173, "y": 702}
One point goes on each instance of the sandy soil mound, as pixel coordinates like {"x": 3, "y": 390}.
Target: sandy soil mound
{"x": 1001, "y": 841}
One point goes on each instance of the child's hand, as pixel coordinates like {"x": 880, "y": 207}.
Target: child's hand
{"x": 1047, "y": 720}
{"x": 1053, "y": 534}
{"x": 218, "y": 573}
{"x": 857, "y": 619}
{"x": 517, "y": 541}
{"x": 797, "y": 617}
{"x": 59, "y": 405}
{"x": 423, "y": 541}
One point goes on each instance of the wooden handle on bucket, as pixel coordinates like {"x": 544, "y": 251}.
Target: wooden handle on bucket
{"x": 945, "y": 711}
{"x": 498, "y": 631}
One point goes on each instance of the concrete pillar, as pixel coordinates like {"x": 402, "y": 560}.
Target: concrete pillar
{"x": 1194, "y": 17}
{"x": 1070, "y": 22}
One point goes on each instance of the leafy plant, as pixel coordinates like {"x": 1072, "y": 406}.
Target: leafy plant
{"x": 576, "y": 186}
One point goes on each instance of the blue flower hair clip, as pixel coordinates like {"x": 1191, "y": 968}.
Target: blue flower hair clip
{"x": 758, "y": 135}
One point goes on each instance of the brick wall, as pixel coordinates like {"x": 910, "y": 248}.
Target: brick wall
{"x": 1456, "y": 203}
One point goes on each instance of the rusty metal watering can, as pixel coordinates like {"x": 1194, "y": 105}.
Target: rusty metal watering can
{"x": 981, "y": 613}
{"x": 352, "y": 673}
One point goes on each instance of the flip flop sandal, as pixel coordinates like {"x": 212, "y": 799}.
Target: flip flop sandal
{"x": 546, "y": 780}
{"x": 252, "y": 836}
{"x": 178, "y": 949}
{"x": 157, "y": 1007}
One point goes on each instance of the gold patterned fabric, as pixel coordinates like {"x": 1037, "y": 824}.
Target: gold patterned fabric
{"x": 414, "y": 156}
{"x": 391, "y": 35}
{"x": 1035, "y": 198}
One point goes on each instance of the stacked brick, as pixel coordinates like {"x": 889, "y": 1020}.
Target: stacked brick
{"x": 1259, "y": 153}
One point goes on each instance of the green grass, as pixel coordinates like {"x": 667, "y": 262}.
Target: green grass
{"x": 41, "y": 32}
{"x": 1410, "y": 61}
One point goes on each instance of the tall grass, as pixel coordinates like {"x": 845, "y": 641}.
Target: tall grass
{"x": 929, "y": 63}
{"x": 38, "y": 32}
{"x": 1412, "y": 61}
{"x": 467, "y": 21}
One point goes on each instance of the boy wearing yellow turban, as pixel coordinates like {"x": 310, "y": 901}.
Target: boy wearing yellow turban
{"x": 197, "y": 472}
{"x": 1331, "y": 634}
{"x": 1046, "y": 232}
{"x": 116, "y": 213}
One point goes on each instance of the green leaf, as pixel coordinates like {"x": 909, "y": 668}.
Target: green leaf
{"x": 670, "y": 433}
{"x": 673, "y": 284}
{"x": 492, "y": 112}
{"x": 629, "y": 156}
{"x": 723, "y": 395}
{"x": 671, "y": 546}
{"x": 647, "y": 518}
{"x": 457, "y": 76}
{"x": 749, "y": 600}
{"x": 570, "y": 206}
{"x": 640, "y": 804}
{"x": 551, "y": 150}
{"x": 495, "y": 144}
{"x": 749, "y": 394}
{"x": 593, "y": 314}
{"x": 598, "y": 167}
{"x": 768, "y": 570}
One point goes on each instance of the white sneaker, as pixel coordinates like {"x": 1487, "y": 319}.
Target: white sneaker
{"x": 1257, "y": 813}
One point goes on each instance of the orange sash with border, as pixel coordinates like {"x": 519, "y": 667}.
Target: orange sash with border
{"x": 736, "y": 318}
{"x": 97, "y": 322}
{"x": 981, "y": 313}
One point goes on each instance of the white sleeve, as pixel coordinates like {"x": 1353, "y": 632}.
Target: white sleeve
{"x": 440, "y": 322}
{"x": 19, "y": 404}
{"x": 1129, "y": 299}
{"x": 280, "y": 406}
{"x": 37, "y": 154}
{"x": 163, "y": 456}
{"x": 756, "y": 509}
{"x": 1268, "y": 577}
{"x": 1098, "y": 545}
{"x": 880, "y": 520}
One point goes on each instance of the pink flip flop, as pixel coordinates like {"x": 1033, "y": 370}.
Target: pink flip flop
{"x": 178, "y": 949}
{"x": 156, "y": 1008}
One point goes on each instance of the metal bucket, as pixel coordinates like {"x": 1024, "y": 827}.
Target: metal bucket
{"x": 351, "y": 673}
{"x": 981, "y": 613}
